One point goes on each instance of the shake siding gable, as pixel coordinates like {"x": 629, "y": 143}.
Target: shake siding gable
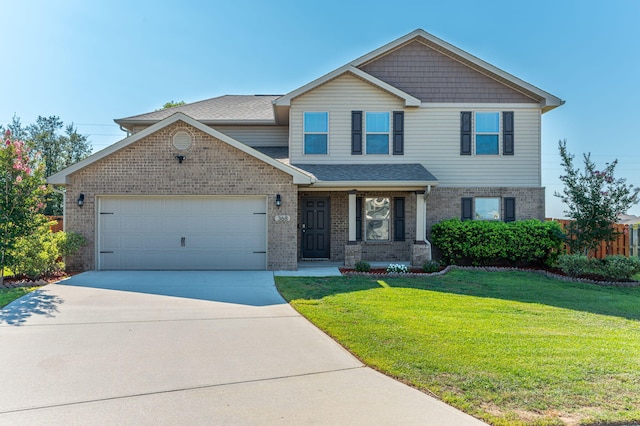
{"x": 431, "y": 76}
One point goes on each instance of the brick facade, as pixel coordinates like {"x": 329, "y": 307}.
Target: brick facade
{"x": 446, "y": 203}
{"x": 211, "y": 167}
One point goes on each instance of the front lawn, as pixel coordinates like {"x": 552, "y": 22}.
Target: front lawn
{"x": 507, "y": 347}
{"x": 9, "y": 295}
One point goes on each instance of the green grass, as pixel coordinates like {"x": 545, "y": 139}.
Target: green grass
{"x": 508, "y": 347}
{"x": 9, "y": 295}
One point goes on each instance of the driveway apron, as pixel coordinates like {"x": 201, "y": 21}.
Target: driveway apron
{"x": 196, "y": 347}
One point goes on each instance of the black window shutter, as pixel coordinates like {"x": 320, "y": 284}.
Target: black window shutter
{"x": 398, "y": 133}
{"x": 356, "y": 132}
{"x": 509, "y": 209}
{"x": 465, "y": 133}
{"x": 467, "y": 208}
{"x": 507, "y": 133}
{"x": 398, "y": 219}
{"x": 358, "y": 218}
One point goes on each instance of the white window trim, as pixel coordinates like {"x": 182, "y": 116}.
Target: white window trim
{"x": 389, "y": 133}
{"x": 315, "y": 133}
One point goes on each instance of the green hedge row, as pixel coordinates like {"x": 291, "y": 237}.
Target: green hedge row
{"x": 488, "y": 243}
{"x": 613, "y": 268}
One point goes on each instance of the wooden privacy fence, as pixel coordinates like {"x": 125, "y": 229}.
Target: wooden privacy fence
{"x": 626, "y": 244}
{"x": 59, "y": 226}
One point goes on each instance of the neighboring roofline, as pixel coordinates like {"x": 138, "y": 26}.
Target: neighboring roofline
{"x": 409, "y": 100}
{"x": 61, "y": 178}
{"x": 550, "y": 101}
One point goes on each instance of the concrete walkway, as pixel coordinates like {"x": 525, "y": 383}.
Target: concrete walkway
{"x": 166, "y": 348}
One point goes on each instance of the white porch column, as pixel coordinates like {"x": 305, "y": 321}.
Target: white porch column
{"x": 421, "y": 222}
{"x": 352, "y": 216}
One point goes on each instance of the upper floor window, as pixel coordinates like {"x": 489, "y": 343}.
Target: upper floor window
{"x": 377, "y": 129}
{"x": 487, "y": 133}
{"x": 316, "y": 132}
{"x": 481, "y": 132}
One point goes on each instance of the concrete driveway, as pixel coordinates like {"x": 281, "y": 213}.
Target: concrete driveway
{"x": 187, "y": 348}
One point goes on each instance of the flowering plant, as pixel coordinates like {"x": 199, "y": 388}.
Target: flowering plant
{"x": 22, "y": 191}
{"x": 397, "y": 268}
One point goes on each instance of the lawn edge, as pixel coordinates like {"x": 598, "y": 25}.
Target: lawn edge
{"x": 627, "y": 284}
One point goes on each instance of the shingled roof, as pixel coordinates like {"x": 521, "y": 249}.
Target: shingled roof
{"x": 229, "y": 108}
{"x": 369, "y": 172}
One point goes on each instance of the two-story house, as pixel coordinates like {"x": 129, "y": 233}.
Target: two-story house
{"x": 357, "y": 164}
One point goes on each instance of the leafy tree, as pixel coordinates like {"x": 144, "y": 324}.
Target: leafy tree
{"x": 23, "y": 189}
{"x": 171, "y": 104}
{"x": 59, "y": 150}
{"x": 60, "y": 145}
{"x": 594, "y": 199}
{"x": 16, "y": 129}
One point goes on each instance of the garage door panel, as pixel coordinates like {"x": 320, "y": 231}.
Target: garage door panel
{"x": 218, "y": 232}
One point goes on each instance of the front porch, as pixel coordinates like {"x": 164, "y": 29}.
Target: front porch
{"x": 343, "y": 227}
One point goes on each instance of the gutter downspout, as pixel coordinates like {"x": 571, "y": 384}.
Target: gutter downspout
{"x": 64, "y": 206}
{"x": 125, "y": 130}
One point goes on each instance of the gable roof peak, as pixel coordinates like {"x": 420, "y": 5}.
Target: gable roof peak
{"x": 546, "y": 100}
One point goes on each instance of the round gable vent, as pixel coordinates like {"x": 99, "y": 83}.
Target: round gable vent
{"x": 182, "y": 140}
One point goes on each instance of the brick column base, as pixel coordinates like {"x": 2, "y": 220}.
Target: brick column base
{"x": 352, "y": 255}
{"x": 420, "y": 253}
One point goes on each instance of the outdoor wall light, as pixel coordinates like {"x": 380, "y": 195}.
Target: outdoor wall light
{"x": 181, "y": 158}
{"x": 81, "y": 200}
{"x": 278, "y": 200}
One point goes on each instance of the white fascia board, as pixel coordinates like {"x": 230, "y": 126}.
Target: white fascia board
{"x": 372, "y": 185}
{"x": 61, "y": 177}
{"x": 410, "y": 101}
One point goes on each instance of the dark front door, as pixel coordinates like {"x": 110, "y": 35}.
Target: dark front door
{"x": 315, "y": 227}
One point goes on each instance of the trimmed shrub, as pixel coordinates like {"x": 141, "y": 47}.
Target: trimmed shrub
{"x": 41, "y": 253}
{"x": 488, "y": 243}
{"x": 613, "y": 268}
{"x": 69, "y": 242}
{"x": 431, "y": 266}
{"x": 575, "y": 265}
{"x": 620, "y": 268}
{"x": 362, "y": 266}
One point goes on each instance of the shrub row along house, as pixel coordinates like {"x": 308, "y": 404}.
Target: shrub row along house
{"x": 357, "y": 164}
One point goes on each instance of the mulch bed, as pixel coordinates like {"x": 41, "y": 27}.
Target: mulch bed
{"x": 551, "y": 273}
{"x": 21, "y": 281}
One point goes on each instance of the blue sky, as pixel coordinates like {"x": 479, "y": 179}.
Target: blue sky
{"x": 91, "y": 62}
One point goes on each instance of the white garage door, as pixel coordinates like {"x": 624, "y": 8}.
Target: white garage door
{"x": 182, "y": 233}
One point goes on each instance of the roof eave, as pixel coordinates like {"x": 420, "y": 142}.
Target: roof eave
{"x": 269, "y": 122}
{"x": 400, "y": 185}
{"x": 61, "y": 178}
